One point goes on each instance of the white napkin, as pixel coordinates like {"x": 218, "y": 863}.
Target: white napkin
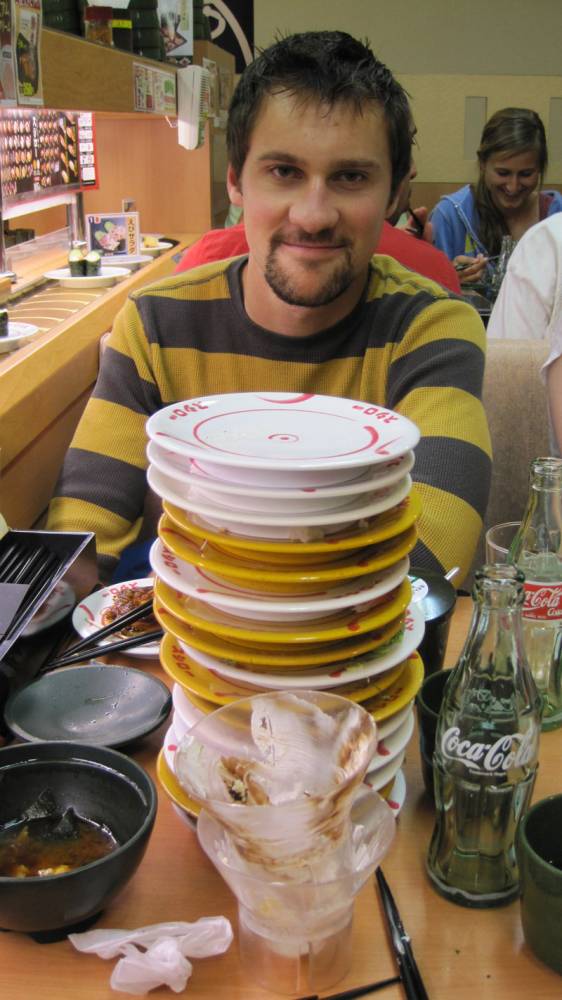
{"x": 156, "y": 955}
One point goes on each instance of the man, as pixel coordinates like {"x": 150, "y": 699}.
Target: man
{"x": 319, "y": 140}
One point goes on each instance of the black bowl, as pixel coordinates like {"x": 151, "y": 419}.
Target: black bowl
{"x": 101, "y": 785}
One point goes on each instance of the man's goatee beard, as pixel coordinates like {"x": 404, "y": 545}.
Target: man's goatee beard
{"x": 281, "y": 283}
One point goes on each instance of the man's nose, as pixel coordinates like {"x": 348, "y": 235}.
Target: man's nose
{"x": 313, "y": 209}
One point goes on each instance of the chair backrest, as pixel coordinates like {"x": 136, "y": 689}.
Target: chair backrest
{"x": 516, "y": 405}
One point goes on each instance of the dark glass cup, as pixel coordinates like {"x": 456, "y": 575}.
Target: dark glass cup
{"x": 437, "y": 598}
{"x": 539, "y": 854}
{"x": 428, "y": 703}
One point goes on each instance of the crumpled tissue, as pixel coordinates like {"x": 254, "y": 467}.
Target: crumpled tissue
{"x": 156, "y": 955}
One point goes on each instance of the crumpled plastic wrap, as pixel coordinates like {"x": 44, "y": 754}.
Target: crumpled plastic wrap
{"x": 157, "y": 955}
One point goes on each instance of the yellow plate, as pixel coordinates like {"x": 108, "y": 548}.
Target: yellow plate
{"x": 272, "y": 658}
{"x": 338, "y": 626}
{"x": 399, "y": 693}
{"x": 392, "y": 522}
{"x": 261, "y": 577}
{"x": 373, "y": 687}
{"x": 172, "y": 787}
{"x": 205, "y": 689}
{"x": 201, "y": 703}
{"x": 385, "y": 791}
{"x": 196, "y": 679}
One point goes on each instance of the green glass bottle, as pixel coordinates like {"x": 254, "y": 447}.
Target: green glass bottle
{"x": 486, "y": 750}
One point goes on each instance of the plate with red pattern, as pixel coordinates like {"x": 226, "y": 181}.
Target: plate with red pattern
{"x": 284, "y": 432}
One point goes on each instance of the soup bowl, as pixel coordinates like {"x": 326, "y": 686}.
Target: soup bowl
{"x": 101, "y": 786}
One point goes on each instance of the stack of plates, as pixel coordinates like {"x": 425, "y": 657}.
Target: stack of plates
{"x": 282, "y": 560}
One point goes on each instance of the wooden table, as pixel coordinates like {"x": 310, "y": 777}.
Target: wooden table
{"x": 463, "y": 954}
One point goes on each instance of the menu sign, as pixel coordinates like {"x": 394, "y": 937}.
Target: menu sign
{"x": 113, "y": 234}
{"x": 38, "y": 152}
{"x": 27, "y": 31}
{"x": 87, "y": 150}
{"x": 7, "y": 76}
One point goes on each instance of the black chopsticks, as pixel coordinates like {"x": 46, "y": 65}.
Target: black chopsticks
{"x": 32, "y": 567}
{"x": 356, "y": 991}
{"x": 112, "y": 647}
{"x": 89, "y": 646}
{"x": 409, "y": 972}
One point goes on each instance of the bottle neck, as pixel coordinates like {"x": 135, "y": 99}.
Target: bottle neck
{"x": 494, "y": 641}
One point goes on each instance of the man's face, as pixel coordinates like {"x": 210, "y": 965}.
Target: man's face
{"x": 315, "y": 189}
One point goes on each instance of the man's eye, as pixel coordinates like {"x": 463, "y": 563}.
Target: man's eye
{"x": 283, "y": 171}
{"x": 351, "y": 177}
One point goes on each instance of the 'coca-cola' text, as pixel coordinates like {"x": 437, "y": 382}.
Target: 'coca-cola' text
{"x": 542, "y": 600}
{"x": 508, "y": 751}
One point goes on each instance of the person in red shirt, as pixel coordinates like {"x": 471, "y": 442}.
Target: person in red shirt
{"x": 218, "y": 244}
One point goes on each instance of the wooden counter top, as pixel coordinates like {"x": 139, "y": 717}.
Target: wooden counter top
{"x": 45, "y": 385}
{"x": 462, "y": 953}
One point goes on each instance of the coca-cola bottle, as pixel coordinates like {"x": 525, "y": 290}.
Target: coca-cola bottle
{"x": 486, "y": 749}
{"x": 537, "y": 550}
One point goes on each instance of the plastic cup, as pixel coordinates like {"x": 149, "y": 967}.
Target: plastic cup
{"x": 295, "y": 931}
{"x": 280, "y": 771}
{"x": 539, "y": 855}
{"x": 499, "y": 539}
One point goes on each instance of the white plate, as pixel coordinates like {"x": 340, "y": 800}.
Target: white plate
{"x": 335, "y": 674}
{"x": 378, "y": 779}
{"x": 171, "y": 742}
{"x": 18, "y": 334}
{"x": 197, "y": 582}
{"x": 86, "y": 618}
{"x": 224, "y": 516}
{"x": 388, "y": 726}
{"x": 158, "y": 249}
{"x": 132, "y": 261}
{"x": 107, "y": 276}
{"x": 397, "y": 795}
{"x": 185, "y": 714}
{"x": 191, "y": 473}
{"x": 390, "y": 746}
{"x": 281, "y": 431}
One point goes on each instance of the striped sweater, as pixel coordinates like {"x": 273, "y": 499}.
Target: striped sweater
{"x": 408, "y": 345}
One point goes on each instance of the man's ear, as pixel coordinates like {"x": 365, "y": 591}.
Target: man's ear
{"x": 234, "y": 187}
{"x": 392, "y": 206}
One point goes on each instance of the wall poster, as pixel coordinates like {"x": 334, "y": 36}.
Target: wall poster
{"x": 232, "y": 28}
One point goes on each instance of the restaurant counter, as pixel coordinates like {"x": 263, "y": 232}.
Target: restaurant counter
{"x": 461, "y": 953}
{"x": 45, "y": 384}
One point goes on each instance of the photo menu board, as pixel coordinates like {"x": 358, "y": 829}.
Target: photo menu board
{"x": 40, "y": 153}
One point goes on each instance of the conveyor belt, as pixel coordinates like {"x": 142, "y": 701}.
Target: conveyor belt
{"x": 50, "y": 304}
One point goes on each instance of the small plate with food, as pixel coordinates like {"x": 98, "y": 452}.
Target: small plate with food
{"x": 16, "y": 335}
{"x": 153, "y": 245}
{"x": 102, "y": 607}
{"x": 85, "y": 270}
